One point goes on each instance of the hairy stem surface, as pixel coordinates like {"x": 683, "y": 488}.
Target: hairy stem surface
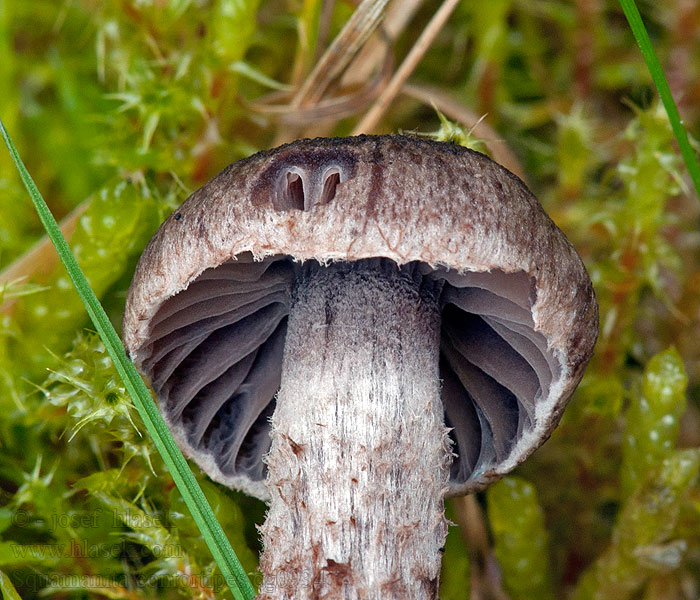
{"x": 360, "y": 455}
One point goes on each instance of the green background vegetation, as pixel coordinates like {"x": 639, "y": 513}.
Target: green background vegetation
{"x": 123, "y": 107}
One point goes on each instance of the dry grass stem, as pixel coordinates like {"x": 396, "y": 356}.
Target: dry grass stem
{"x": 344, "y": 47}
{"x": 40, "y": 259}
{"x": 484, "y": 574}
{"x": 334, "y": 108}
{"x": 372, "y": 118}
{"x": 398, "y": 14}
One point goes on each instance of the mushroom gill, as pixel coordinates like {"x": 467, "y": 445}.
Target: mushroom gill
{"x": 214, "y": 356}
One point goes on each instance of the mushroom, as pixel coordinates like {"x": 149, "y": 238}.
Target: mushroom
{"x": 352, "y": 329}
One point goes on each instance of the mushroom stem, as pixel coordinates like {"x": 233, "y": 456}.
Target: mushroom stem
{"x": 360, "y": 454}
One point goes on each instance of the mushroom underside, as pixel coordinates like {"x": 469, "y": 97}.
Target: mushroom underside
{"x": 215, "y": 351}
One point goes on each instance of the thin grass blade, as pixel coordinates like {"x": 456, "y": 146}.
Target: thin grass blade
{"x": 202, "y": 513}
{"x": 657, "y": 74}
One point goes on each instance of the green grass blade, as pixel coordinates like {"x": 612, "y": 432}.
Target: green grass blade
{"x": 8, "y": 590}
{"x": 224, "y": 555}
{"x": 657, "y": 74}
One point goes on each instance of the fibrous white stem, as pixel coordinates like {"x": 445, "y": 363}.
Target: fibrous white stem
{"x": 360, "y": 456}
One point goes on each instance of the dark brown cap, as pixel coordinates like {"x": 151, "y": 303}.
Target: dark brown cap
{"x": 206, "y": 312}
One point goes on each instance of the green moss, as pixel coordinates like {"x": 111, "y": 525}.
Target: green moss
{"x": 653, "y": 418}
{"x": 133, "y": 104}
{"x": 520, "y": 538}
{"x": 643, "y": 542}
{"x": 127, "y": 519}
{"x": 109, "y": 236}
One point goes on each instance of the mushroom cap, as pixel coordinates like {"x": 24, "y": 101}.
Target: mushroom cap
{"x": 206, "y": 312}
